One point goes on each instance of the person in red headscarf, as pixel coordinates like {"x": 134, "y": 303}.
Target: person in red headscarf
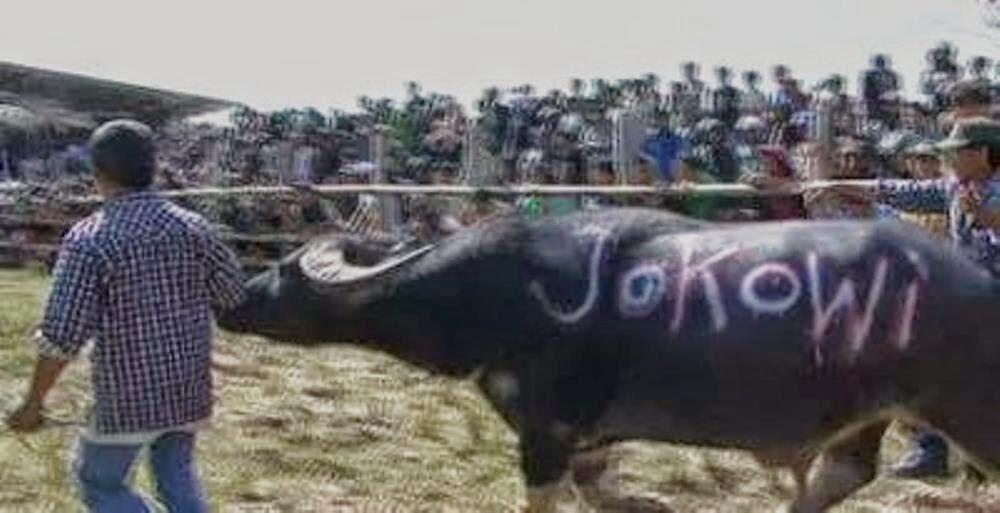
{"x": 776, "y": 172}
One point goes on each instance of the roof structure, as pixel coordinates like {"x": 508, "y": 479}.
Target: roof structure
{"x": 53, "y": 96}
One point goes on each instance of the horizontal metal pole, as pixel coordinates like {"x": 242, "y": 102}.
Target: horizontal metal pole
{"x": 25, "y": 221}
{"x": 259, "y": 238}
{"x": 47, "y": 249}
{"x": 727, "y": 189}
{"x": 29, "y": 248}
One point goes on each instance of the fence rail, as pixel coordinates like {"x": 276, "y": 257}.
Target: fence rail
{"x": 726, "y": 189}
{"x": 364, "y": 220}
{"x": 44, "y": 251}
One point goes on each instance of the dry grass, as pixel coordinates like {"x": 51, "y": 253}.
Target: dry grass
{"x": 345, "y": 430}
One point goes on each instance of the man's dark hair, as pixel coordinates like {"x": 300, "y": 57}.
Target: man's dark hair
{"x": 123, "y": 152}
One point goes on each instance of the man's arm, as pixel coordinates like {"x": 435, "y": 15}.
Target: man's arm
{"x": 226, "y": 282}
{"x": 72, "y": 314}
{"x": 985, "y": 243}
{"x": 29, "y": 417}
{"x": 986, "y": 215}
{"x": 914, "y": 195}
{"x": 989, "y": 218}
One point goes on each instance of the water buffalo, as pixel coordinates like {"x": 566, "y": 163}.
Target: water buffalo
{"x": 790, "y": 340}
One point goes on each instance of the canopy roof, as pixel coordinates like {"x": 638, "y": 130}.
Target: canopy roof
{"x": 28, "y": 91}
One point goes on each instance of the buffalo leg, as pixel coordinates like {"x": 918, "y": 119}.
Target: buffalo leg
{"x": 798, "y": 462}
{"x": 590, "y": 470}
{"x": 594, "y": 475}
{"x": 971, "y": 422}
{"x": 545, "y": 463}
{"x": 843, "y": 468}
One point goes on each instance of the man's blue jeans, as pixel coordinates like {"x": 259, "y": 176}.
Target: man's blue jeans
{"x": 103, "y": 473}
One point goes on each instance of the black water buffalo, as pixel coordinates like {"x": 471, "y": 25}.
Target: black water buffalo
{"x": 789, "y": 340}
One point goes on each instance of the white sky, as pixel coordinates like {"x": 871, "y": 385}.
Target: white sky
{"x": 327, "y": 53}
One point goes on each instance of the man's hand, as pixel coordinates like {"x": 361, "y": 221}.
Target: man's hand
{"x": 969, "y": 200}
{"x": 26, "y": 419}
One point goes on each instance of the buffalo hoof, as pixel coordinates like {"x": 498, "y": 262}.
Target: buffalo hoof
{"x": 560, "y": 497}
{"x": 632, "y": 505}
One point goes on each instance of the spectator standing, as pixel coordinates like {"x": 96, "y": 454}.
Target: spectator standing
{"x": 834, "y": 120}
{"x": 853, "y": 161}
{"x": 753, "y": 101}
{"x": 979, "y": 70}
{"x": 924, "y": 163}
{"x": 664, "y": 149}
{"x": 879, "y": 91}
{"x": 675, "y": 105}
{"x": 776, "y": 172}
{"x": 968, "y": 99}
{"x": 941, "y": 74}
{"x": 692, "y": 95}
{"x": 725, "y": 99}
{"x": 788, "y": 100}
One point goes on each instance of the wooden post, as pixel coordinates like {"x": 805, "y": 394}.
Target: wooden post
{"x": 390, "y": 209}
{"x": 617, "y": 135}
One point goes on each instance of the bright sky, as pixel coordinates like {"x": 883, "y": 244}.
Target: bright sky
{"x": 327, "y": 53}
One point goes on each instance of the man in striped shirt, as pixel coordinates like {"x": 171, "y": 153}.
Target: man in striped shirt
{"x": 140, "y": 279}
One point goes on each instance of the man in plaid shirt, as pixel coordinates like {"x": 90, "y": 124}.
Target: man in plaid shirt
{"x": 141, "y": 278}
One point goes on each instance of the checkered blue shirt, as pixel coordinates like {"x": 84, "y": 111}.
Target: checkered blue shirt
{"x": 141, "y": 278}
{"x": 978, "y": 242}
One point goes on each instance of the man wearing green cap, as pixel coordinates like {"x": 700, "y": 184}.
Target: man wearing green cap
{"x": 971, "y": 198}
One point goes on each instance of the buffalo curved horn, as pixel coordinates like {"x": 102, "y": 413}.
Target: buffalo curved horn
{"x": 329, "y": 266}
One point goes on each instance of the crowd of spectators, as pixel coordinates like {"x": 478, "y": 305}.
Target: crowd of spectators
{"x": 765, "y": 132}
{"x": 696, "y": 132}
{"x": 628, "y": 132}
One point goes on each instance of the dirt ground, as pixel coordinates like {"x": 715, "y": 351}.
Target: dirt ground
{"x": 341, "y": 429}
